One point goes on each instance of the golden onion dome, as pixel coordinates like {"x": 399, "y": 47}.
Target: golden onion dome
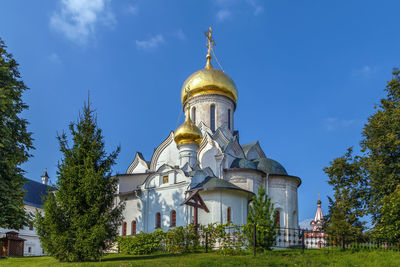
{"x": 208, "y": 80}
{"x": 188, "y": 132}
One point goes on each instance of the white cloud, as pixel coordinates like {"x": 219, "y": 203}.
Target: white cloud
{"x": 305, "y": 224}
{"x": 332, "y": 124}
{"x": 132, "y": 9}
{"x": 151, "y": 43}
{"x": 365, "y": 71}
{"x": 223, "y": 14}
{"x": 180, "y": 35}
{"x": 77, "y": 19}
{"x": 257, "y": 7}
{"x": 228, "y": 8}
{"x": 53, "y": 57}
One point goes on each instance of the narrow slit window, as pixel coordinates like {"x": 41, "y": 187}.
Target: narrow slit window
{"x": 212, "y": 117}
{"x": 229, "y": 119}
{"x": 228, "y": 215}
{"x": 133, "y": 230}
{"x": 277, "y": 218}
{"x": 124, "y": 229}
{"x": 173, "y": 218}
{"x": 158, "y": 220}
{"x": 194, "y": 115}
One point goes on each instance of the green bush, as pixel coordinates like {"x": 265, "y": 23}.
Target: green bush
{"x": 228, "y": 238}
{"x": 182, "y": 239}
{"x": 141, "y": 244}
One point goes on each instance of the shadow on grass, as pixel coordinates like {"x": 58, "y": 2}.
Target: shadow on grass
{"x": 110, "y": 258}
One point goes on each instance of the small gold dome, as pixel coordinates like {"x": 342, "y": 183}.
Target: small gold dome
{"x": 208, "y": 81}
{"x": 188, "y": 132}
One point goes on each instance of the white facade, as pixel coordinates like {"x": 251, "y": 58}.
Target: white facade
{"x": 32, "y": 203}
{"x": 224, "y": 172}
{"x": 32, "y": 245}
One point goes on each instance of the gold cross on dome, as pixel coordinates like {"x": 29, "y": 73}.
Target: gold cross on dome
{"x": 210, "y": 43}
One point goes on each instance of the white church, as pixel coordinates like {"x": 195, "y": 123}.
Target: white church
{"x": 201, "y": 173}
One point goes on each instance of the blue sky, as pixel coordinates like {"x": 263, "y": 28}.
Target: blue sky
{"x": 308, "y": 73}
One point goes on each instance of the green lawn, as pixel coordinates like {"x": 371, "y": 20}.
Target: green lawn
{"x": 272, "y": 258}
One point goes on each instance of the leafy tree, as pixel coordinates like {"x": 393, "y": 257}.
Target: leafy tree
{"x": 389, "y": 224}
{"x": 261, "y": 213}
{"x": 81, "y": 220}
{"x": 363, "y": 184}
{"x": 15, "y": 142}
{"x": 349, "y": 191}
{"x": 381, "y": 147}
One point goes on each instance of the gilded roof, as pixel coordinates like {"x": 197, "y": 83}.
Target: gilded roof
{"x": 209, "y": 81}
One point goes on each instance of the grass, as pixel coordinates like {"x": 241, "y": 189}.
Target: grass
{"x": 271, "y": 258}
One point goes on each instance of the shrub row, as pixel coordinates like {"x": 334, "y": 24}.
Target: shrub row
{"x": 226, "y": 238}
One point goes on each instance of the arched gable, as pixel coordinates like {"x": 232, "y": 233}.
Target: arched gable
{"x": 204, "y": 128}
{"x": 166, "y": 153}
{"x": 139, "y": 165}
{"x": 207, "y": 154}
{"x": 155, "y": 180}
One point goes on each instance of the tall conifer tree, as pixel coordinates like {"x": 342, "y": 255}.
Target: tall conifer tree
{"x": 81, "y": 219}
{"x": 15, "y": 142}
{"x": 261, "y": 212}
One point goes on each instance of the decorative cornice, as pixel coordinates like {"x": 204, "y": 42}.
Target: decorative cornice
{"x": 209, "y": 98}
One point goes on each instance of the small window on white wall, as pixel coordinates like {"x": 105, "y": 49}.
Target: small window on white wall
{"x": 229, "y": 215}
{"x": 165, "y": 179}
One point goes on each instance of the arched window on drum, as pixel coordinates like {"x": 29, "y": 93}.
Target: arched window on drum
{"x": 212, "y": 117}
{"x": 193, "y": 116}
{"x": 229, "y": 119}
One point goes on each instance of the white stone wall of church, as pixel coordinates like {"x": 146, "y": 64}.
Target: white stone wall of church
{"x": 132, "y": 212}
{"x": 218, "y": 202}
{"x": 202, "y": 103}
{"x": 164, "y": 200}
{"x": 207, "y": 159}
{"x": 32, "y": 239}
{"x": 248, "y": 180}
{"x": 283, "y": 193}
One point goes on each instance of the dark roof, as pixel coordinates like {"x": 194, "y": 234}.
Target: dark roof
{"x": 270, "y": 166}
{"x": 34, "y": 192}
{"x": 246, "y": 148}
{"x": 243, "y": 164}
{"x": 45, "y": 174}
{"x": 214, "y": 183}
